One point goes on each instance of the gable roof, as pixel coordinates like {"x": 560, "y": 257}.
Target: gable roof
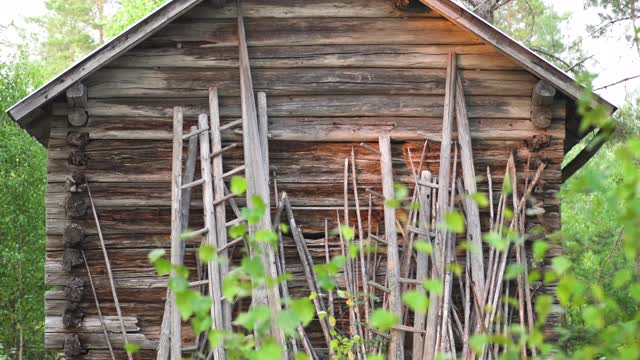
{"x": 23, "y": 111}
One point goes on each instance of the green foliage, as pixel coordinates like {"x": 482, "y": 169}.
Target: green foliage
{"x": 22, "y": 227}
{"x": 130, "y": 11}
{"x": 383, "y": 320}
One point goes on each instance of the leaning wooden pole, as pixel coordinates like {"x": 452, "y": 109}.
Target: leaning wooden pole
{"x": 257, "y": 184}
{"x": 114, "y": 293}
{"x": 176, "y": 228}
{"x": 444, "y": 181}
{"x": 474, "y": 232}
{"x": 396, "y": 348}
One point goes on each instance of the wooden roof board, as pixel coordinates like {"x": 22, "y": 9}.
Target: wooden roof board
{"x": 458, "y": 14}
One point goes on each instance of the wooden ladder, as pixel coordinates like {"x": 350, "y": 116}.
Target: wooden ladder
{"x": 215, "y": 196}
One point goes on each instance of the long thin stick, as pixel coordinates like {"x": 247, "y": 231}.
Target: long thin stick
{"x": 95, "y": 297}
{"x": 109, "y": 272}
{"x": 363, "y": 268}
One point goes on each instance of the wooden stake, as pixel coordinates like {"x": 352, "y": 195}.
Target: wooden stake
{"x": 396, "y": 348}
{"x": 109, "y": 272}
{"x": 95, "y": 297}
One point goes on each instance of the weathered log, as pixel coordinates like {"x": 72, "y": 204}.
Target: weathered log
{"x": 72, "y": 258}
{"x": 176, "y": 228}
{"x": 77, "y": 182}
{"x": 77, "y": 116}
{"x": 78, "y": 139}
{"x": 541, "y": 101}
{"x": 73, "y": 236}
{"x": 73, "y": 315}
{"x": 76, "y": 206}
{"x": 72, "y": 346}
{"x": 78, "y": 158}
{"x": 538, "y": 142}
{"x": 74, "y": 289}
{"x": 77, "y": 95}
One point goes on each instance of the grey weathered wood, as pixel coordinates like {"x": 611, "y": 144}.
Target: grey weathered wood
{"x": 444, "y": 181}
{"x": 218, "y": 191}
{"x": 309, "y": 272}
{"x": 474, "y": 232}
{"x": 263, "y": 127}
{"x": 213, "y": 269}
{"x": 77, "y": 116}
{"x": 422, "y": 259}
{"x": 541, "y": 102}
{"x": 109, "y": 272}
{"x": 189, "y": 173}
{"x": 176, "y": 228}
{"x": 95, "y": 298}
{"x": 396, "y": 348}
{"x": 257, "y": 184}
{"x": 77, "y": 95}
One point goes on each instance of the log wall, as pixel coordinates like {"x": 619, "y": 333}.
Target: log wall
{"x": 336, "y": 74}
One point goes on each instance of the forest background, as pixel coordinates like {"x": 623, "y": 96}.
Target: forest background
{"x": 36, "y": 49}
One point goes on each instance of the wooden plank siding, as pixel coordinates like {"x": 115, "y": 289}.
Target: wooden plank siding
{"x": 336, "y": 74}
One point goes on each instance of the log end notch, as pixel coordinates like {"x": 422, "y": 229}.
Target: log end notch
{"x": 542, "y": 104}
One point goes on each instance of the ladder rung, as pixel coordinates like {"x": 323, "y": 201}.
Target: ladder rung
{"x": 428, "y": 184}
{"x": 230, "y": 244}
{"x": 234, "y": 171}
{"x": 225, "y": 198}
{"x": 379, "y": 239}
{"x": 410, "y": 281}
{"x": 235, "y": 221}
{"x": 379, "y": 287}
{"x": 228, "y": 147}
{"x": 192, "y": 184}
{"x": 198, "y": 283}
{"x": 194, "y": 133}
{"x": 374, "y": 193}
{"x": 192, "y": 234}
{"x": 421, "y": 232}
{"x": 231, "y": 125}
{"x": 409, "y": 329}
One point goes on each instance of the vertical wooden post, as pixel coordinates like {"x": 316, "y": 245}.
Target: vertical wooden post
{"x": 257, "y": 184}
{"x": 213, "y": 269}
{"x": 176, "y": 227}
{"x": 474, "y": 232}
{"x": 218, "y": 191}
{"x": 396, "y": 348}
{"x": 444, "y": 181}
{"x": 422, "y": 259}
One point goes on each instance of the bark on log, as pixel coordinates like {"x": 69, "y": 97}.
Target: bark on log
{"x": 76, "y": 206}
{"x": 73, "y": 236}
{"x": 73, "y": 315}
{"x": 71, "y": 259}
{"x": 74, "y": 289}
{"x": 72, "y": 346}
{"x": 541, "y": 102}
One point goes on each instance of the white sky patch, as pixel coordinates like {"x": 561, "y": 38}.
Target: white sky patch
{"x": 613, "y": 56}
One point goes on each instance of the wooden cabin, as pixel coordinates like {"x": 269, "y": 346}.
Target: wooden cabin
{"x": 335, "y": 74}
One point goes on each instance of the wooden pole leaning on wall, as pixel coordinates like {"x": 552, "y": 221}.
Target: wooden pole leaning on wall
{"x": 441, "y": 240}
{"x": 257, "y": 184}
{"x": 176, "y": 228}
{"x": 474, "y": 232}
{"x": 396, "y": 348}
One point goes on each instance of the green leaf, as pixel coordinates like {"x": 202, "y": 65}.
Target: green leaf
{"x": 207, "y": 253}
{"x": 353, "y": 251}
{"x": 477, "y": 343}
{"x": 481, "y": 199}
{"x": 304, "y": 310}
{"x": 284, "y": 228}
{"x": 454, "y": 221}
{"x": 155, "y": 255}
{"x": 540, "y": 248}
{"x": 560, "y": 264}
{"x": 131, "y": 348}
{"x": 375, "y": 357}
{"x": 201, "y": 324}
{"x": 332, "y": 321}
{"x": 496, "y": 241}
{"x": 348, "y": 232}
{"x": 301, "y": 356}
{"x": 267, "y": 235}
{"x": 383, "y": 320}
{"x": 178, "y": 284}
{"x": 163, "y": 266}
{"x": 621, "y": 278}
{"x": 433, "y": 286}
{"x": 216, "y": 337}
{"x": 253, "y": 266}
{"x": 269, "y": 351}
{"x": 237, "y": 231}
{"x": 254, "y": 318}
{"x": 513, "y": 271}
{"x": 238, "y": 185}
{"x": 401, "y": 191}
{"x": 506, "y": 185}
{"x": 184, "y": 300}
{"x": 423, "y": 247}
{"x": 288, "y": 321}
{"x": 416, "y": 300}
